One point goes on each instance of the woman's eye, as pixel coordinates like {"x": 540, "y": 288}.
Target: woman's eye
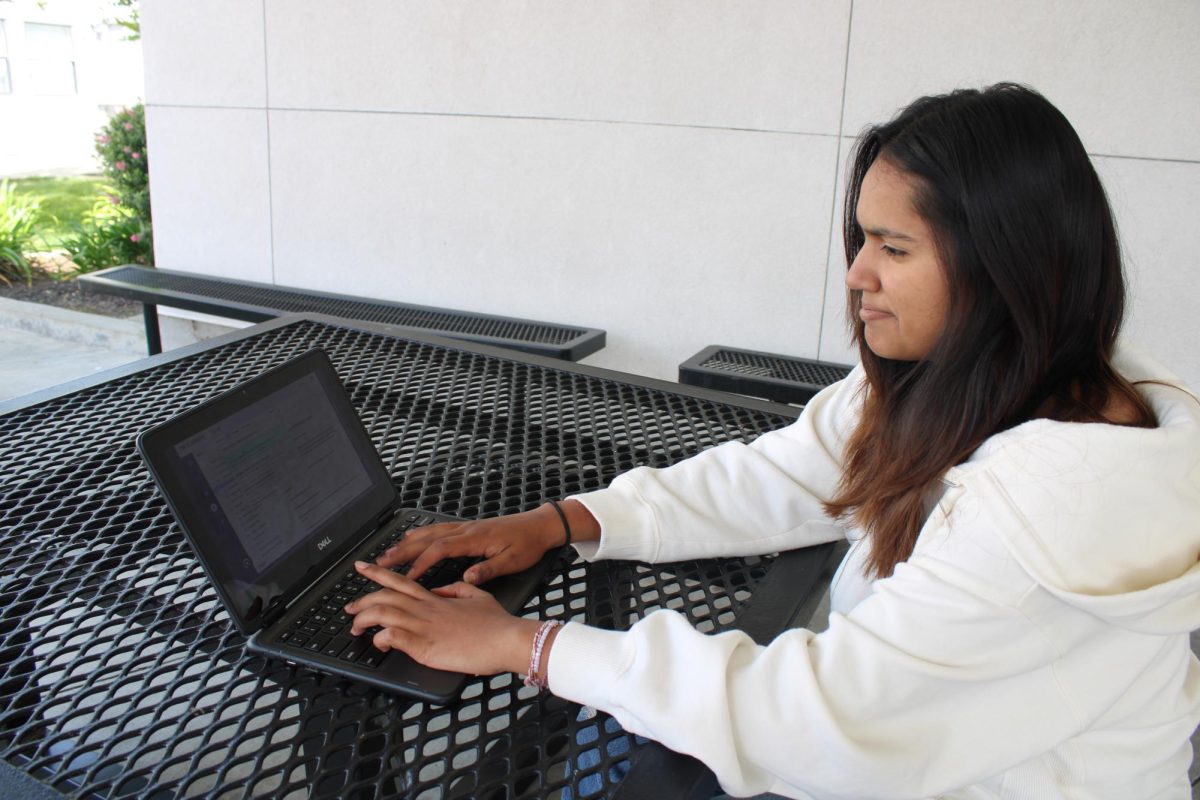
{"x": 891, "y": 251}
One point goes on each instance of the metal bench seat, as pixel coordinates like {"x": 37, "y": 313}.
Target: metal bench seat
{"x": 257, "y": 302}
{"x": 785, "y": 379}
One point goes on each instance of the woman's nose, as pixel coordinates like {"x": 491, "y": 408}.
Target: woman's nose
{"x": 860, "y": 276}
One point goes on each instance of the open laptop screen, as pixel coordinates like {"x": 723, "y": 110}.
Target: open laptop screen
{"x": 270, "y": 481}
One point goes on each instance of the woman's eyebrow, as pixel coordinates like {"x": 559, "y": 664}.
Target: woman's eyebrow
{"x": 885, "y": 233}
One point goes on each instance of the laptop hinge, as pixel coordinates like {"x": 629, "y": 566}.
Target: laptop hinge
{"x": 274, "y": 612}
{"x": 281, "y": 605}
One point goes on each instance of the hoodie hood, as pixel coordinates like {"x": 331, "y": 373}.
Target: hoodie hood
{"x": 1107, "y": 518}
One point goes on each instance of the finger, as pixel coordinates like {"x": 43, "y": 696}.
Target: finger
{"x": 452, "y": 547}
{"x": 459, "y": 590}
{"x": 414, "y": 543}
{"x": 415, "y": 644}
{"x": 380, "y": 597}
{"x": 505, "y": 562}
{"x": 390, "y": 580}
{"x": 479, "y": 573}
{"x": 392, "y": 615}
{"x": 393, "y": 637}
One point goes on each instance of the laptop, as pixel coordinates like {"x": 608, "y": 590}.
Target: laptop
{"x": 279, "y": 489}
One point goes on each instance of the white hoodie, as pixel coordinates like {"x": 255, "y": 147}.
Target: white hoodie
{"x": 1034, "y": 645}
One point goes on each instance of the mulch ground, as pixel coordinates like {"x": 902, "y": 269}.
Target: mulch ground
{"x": 68, "y": 294}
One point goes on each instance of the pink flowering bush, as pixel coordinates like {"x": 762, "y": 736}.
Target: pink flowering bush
{"x": 121, "y": 147}
{"x": 117, "y": 231}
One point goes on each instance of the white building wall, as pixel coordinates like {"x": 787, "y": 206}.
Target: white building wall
{"x": 668, "y": 171}
{"x": 49, "y": 130}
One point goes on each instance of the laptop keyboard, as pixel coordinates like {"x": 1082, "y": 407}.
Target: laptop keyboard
{"x": 325, "y": 626}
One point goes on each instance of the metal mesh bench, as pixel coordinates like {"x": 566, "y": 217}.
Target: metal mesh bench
{"x": 785, "y": 379}
{"x": 257, "y": 302}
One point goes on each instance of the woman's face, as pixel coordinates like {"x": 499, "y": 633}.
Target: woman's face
{"x": 904, "y": 290}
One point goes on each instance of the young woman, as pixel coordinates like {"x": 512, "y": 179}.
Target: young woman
{"x": 1021, "y": 494}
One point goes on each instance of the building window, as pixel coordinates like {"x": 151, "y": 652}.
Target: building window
{"x": 5, "y": 80}
{"x": 51, "y": 64}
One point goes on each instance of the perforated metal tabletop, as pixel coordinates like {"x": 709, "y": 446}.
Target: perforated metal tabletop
{"x": 120, "y": 677}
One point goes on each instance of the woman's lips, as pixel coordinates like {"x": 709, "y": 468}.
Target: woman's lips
{"x": 871, "y": 314}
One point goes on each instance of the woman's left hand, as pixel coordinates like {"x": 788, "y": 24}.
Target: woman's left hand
{"x": 459, "y": 628}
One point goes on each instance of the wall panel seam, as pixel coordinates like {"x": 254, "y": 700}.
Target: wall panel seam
{"x": 267, "y": 122}
{"x": 836, "y": 179}
{"x": 515, "y": 117}
{"x": 1161, "y": 160}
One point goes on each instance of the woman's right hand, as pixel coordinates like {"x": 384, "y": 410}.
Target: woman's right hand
{"x": 507, "y": 544}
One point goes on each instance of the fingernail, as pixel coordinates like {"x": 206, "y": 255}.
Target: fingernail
{"x": 361, "y": 565}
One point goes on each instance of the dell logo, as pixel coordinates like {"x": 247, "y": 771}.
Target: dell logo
{"x": 321, "y": 545}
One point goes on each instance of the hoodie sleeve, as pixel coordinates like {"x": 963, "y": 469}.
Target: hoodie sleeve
{"x": 938, "y": 680}
{"x": 735, "y": 499}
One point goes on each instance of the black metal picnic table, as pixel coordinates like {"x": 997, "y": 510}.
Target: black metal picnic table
{"x": 120, "y": 676}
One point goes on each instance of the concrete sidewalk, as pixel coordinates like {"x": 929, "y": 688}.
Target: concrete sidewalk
{"x": 42, "y": 346}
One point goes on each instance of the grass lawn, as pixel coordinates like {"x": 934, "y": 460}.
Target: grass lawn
{"x": 63, "y": 202}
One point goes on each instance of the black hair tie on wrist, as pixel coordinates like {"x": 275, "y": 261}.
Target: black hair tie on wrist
{"x": 563, "y": 517}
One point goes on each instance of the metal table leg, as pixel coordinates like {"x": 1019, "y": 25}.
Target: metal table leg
{"x": 153, "y": 338}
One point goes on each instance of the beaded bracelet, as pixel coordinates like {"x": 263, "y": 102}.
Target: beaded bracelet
{"x": 563, "y": 516}
{"x": 533, "y": 677}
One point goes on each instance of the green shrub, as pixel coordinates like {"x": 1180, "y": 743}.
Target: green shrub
{"x": 62, "y": 202}
{"x": 18, "y": 219}
{"x": 109, "y": 235}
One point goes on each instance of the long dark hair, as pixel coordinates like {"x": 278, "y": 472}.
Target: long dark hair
{"x": 1025, "y": 235}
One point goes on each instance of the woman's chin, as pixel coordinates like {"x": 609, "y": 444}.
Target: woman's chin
{"x": 888, "y": 348}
